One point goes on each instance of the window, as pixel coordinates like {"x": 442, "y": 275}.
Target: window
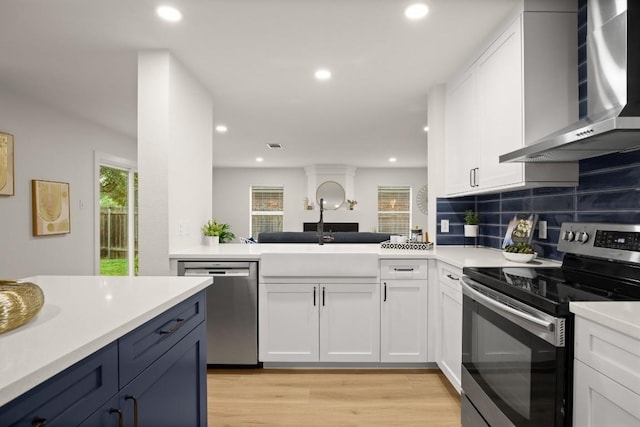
{"x": 394, "y": 210}
{"x": 266, "y": 209}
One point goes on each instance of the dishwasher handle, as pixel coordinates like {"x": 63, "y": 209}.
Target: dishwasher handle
{"x": 200, "y": 272}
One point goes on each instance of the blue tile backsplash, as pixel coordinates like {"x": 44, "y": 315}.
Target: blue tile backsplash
{"x": 609, "y": 191}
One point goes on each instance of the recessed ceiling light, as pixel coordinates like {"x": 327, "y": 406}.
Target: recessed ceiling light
{"x": 323, "y": 74}
{"x": 416, "y": 11}
{"x": 259, "y": 159}
{"x": 169, "y": 13}
{"x": 221, "y": 129}
{"x": 393, "y": 159}
{"x": 426, "y": 128}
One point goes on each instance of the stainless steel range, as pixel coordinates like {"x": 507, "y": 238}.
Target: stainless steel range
{"x": 517, "y": 347}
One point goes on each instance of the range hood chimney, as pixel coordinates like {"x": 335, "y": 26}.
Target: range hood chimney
{"x": 613, "y": 89}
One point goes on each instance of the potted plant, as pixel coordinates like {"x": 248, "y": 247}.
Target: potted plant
{"x": 471, "y": 221}
{"x": 216, "y": 232}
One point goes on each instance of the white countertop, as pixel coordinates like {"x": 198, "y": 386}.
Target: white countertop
{"x": 622, "y": 316}
{"x": 456, "y": 255}
{"x": 82, "y": 314}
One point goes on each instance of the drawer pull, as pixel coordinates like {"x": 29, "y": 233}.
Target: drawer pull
{"x": 402, "y": 269}
{"x": 119, "y": 412}
{"x": 174, "y": 328}
{"x": 453, "y": 278}
{"x": 135, "y": 409}
{"x": 314, "y": 296}
{"x": 385, "y": 291}
{"x": 38, "y": 422}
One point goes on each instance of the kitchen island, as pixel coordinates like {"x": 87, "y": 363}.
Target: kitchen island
{"x": 114, "y": 318}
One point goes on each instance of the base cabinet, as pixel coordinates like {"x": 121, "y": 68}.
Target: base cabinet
{"x": 330, "y": 322}
{"x": 403, "y": 321}
{"x": 169, "y": 390}
{"x": 449, "y": 339}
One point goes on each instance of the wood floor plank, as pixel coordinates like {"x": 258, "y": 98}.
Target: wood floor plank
{"x": 270, "y": 397}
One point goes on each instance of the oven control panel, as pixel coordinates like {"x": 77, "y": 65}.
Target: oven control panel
{"x": 601, "y": 240}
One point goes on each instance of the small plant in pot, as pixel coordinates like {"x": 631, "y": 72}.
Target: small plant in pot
{"x": 471, "y": 221}
{"x": 217, "y": 232}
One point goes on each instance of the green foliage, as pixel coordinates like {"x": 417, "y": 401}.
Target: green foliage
{"x": 114, "y": 187}
{"x": 471, "y": 217}
{"x": 213, "y": 228}
{"x": 113, "y": 267}
{"x": 520, "y": 248}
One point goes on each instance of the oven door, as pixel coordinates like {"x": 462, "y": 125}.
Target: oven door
{"x": 513, "y": 360}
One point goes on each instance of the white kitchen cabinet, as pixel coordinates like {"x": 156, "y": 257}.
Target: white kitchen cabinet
{"x": 606, "y": 377}
{"x": 349, "y": 322}
{"x": 449, "y": 338}
{"x": 331, "y": 322}
{"x": 521, "y": 87}
{"x": 289, "y": 322}
{"x": 403, "y": 311}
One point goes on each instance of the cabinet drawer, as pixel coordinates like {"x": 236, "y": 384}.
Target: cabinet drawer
{"x": 70, "y": 396}
{"x": 141, "y": 347}
{"x": 403, "y": 269}
{"x": 449, "y": 275}
{"x": 614, "y": 354}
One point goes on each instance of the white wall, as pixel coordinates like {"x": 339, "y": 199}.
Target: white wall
{"x": 435, "y": 152}
{"x": 175, "y": 133}
{"x": 51, "y": 145}
{"x": 231, "y": 196}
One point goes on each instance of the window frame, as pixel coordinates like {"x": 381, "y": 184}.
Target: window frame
{"x": 253, "y": 213}
{"x": 409, "y": 191}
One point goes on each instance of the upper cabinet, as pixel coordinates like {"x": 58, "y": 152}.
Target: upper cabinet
{"x": 521, "y": 87}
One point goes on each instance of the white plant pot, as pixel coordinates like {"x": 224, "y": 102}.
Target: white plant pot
{"x": 471, "y": 230}
{"x": 212, "y": 240}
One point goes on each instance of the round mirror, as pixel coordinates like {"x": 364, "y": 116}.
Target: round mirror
{"x": 332, "y": 193}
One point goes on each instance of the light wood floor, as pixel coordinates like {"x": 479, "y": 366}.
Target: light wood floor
{"x": 299, "y": 398}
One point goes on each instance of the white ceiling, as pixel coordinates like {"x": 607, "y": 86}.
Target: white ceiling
{"x": 257, "y": 58}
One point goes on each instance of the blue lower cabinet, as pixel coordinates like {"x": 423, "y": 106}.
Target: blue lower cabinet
{"x": 170, "y": 392}
{"x": 67, "y": 398}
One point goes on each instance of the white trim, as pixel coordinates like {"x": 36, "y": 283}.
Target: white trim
{"x": 100, "y": 158}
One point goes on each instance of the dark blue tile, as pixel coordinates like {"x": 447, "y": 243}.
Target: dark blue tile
{"x": 547, "y": 191}
{"x": 516, "y": 194}
{"x": 493, "y": 206}
{"x": 582, "y": 73}
{"x": 548, "y": 251}
{"x": 582, "y": 14}
{"x": 454, "y": 218}
{"x": 582, "y": 32}
{"x": 490, "y": 230}
{"x": 582, "y": 109}
{"x": 444, "y": 239}
{"x": 555, "y": 219}
{"x": 553, "y": 203}
{"x": 516, "y": 205}
{"x": 488, "y": 197}
{"x": 489, "y": 218}
{"x": 610, "y": 161}
{"x": 490, "y": 242}
{"x": 552, "y": 236}
{"x": 609, "y": 201}
{"x": 582, "y": 54}
{"x": 610, "y": 217}
{"x": 582, "y": 90}
{"x": 610, "y": 179}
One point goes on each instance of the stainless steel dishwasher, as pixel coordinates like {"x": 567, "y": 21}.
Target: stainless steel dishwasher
{"x": 232, "y": 310}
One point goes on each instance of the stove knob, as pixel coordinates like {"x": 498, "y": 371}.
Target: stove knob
{"x": 583, "y": 237}
{"x": 569, "y": 236}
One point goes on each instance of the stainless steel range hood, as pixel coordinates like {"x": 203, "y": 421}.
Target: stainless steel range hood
{"x": 613, "y": 90}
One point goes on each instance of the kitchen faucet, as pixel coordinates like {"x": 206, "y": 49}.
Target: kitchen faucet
{"x": 320, "y": 233}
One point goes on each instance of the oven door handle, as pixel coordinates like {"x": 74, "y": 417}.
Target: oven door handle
{"x": 499, "y": 307}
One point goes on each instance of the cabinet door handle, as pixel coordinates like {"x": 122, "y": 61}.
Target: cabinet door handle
{"x": 314, "y": 296}
{"x": 385, "y": 291}
{"x": 471, "y": 178}
{"x": 323, "y": 296}
{"x": 135, "y": 409}
{"x": 403, "y": 269}
{"x": 453, "y": 278}
{"x": 120, "y": 419}
{"x": 38, "y": 422}
{"x": 174, "y": 328}
{"x": 475, "y": 177}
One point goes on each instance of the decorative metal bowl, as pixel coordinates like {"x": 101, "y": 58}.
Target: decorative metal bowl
{"x": 19, "y": 303}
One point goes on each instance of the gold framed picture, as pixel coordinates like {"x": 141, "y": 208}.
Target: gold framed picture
{"x": 7, "y": 186}
{"x": 50, "y": 203}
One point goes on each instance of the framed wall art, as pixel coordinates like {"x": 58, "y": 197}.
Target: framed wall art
{"x": 50, "y": 208}
{"x": 6, "y": 165}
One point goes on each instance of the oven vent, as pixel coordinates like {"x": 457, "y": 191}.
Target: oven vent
{"x": 561, "y": 332}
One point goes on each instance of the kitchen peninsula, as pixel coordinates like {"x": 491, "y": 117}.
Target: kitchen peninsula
{"x": 102, "y": 345}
